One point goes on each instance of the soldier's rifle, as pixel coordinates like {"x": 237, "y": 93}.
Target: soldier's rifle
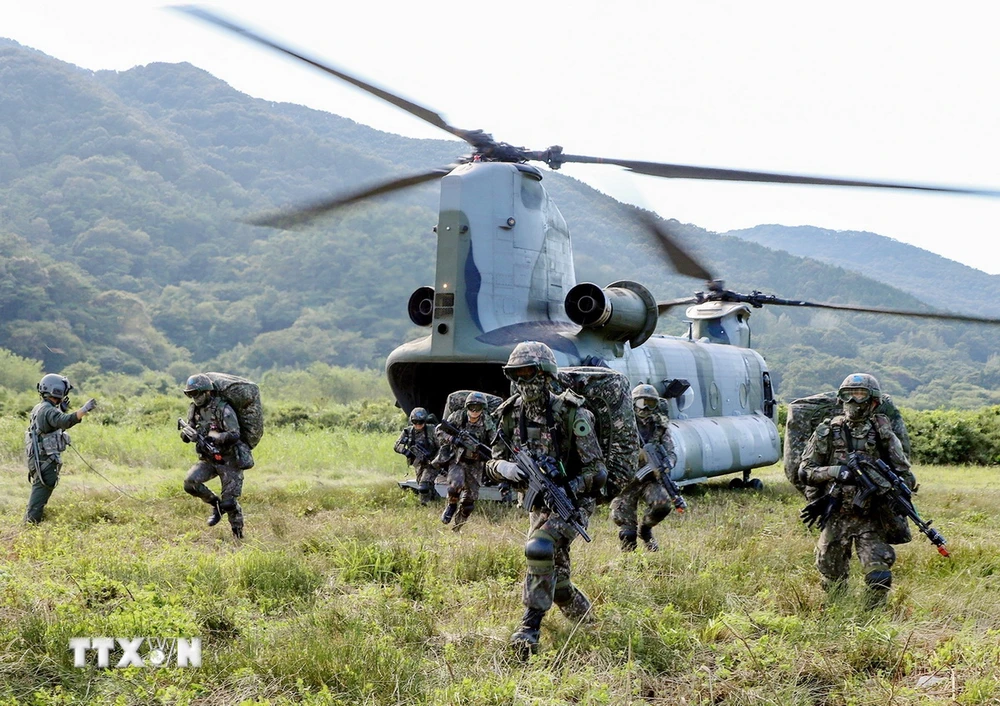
{"x": 417, "y": 450}
{"x": 657, "y": 457}
{"x": 201, "y": 441}
{"x": 876, "y": 477}
{"x": 465, "y": 439}
{"x": 542, "y": 487}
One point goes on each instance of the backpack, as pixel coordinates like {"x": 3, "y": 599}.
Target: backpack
{"x": 806, "y": 413}
{"x": 244, "y": 397}
{"x": 608, "y": 395}
{"x": 456, "y": 402}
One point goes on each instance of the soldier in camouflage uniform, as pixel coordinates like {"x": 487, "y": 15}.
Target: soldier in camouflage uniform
{"x": 654, "y": 433}
{"x": 465, "y": 464}
{"x": 868, "y": 529}
{"x": 46, "y": 439}
{"x": 559, "y": 427}
{"x": 214, "y": 429}
{"x": 418, "y": 443}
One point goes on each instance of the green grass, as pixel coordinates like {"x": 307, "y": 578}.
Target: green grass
{"x": 347, "y": 591}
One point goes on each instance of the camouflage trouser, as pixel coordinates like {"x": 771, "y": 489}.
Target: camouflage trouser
{"x": 833, "y": 551}
{"x": 41, "y": 491}
{"x": 425, "y": 472}
{"x": 232, "y": 488}
{"x": 464, "y": 480}
{"x": 625, "y": 507}
{"x": 549, "y": 573}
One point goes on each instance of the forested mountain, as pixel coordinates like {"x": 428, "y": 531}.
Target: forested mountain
{"x": 941, "y": 282}
{"x": 120, "y": 248}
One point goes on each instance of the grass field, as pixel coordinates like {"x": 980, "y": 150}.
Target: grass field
{"x": 347, "y": 591}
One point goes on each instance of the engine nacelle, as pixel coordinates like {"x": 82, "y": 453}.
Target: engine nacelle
{"x": 421, "y": 306}
{"x": 623, "y": 311}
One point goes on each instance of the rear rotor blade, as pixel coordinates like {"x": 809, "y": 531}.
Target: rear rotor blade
{"x": 757, "y": 299}
{"x": 303, "y": 215}
{"x": 425, "y": 114}
{"x": 680, "y": 171}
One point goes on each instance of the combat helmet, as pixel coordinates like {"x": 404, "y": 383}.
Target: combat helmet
{"x": 418, "y": 415}
{"x": 644, "y": 392}
{"x": 645, "y": 399}
{"x": 859, "y": 381}
{"x": 198, "y": 383}
{"x": 53, "y": 385}
{"x": 475, "y": 398}
{"x": 531, "y": 354}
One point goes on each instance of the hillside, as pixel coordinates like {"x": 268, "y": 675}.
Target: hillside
{"x": 941, "y": 282}
{"x": 121, "y": 249}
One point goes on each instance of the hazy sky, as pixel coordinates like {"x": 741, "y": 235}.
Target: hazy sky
{"x": 903, "y": 91}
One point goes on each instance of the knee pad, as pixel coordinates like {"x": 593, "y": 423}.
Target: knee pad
{"x": 190, "y": 487}
{"x": 879, "y": 580}
{"x": 228, "y": 505}
{"x": 540, "y": 547}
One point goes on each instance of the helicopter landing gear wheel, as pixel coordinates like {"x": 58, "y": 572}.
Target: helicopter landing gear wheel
{"x": 737, "y": 484}
{"x": 755, "y": 484}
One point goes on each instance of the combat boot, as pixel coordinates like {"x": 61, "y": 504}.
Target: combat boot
{"x": 216, "y": 515}
{"x": 449, "y": 512}
{"x": 646, "y": 532}
{"x": 574, "y": 605}
{"x": 237, "y": 531}
{"x": 627, "y": 539}
{"x": 524, "y": 641}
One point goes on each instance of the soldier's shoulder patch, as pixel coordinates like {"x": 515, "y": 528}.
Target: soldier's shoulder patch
{"x": 823, "y": 430}
{"x": 581, "y": 425}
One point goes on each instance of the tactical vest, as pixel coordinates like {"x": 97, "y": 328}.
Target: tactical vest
{"x": 41, "y": 448}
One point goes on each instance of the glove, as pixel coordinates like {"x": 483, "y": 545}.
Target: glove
{"x": 508, "y": 470}
{"x": 88, "y": 405}
{"x": 576, "y": 486}
{"x": 845, "y": 475}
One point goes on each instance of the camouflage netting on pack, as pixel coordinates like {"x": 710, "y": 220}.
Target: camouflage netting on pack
{"x": 608, "y": 395}
{"x": 805, "y": 414}
{"x": 244, "y": 397}
{"x": 456, "y": 401}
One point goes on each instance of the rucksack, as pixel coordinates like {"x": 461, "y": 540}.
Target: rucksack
{"x": 608, "y": 395}
{"x": 456, "y": 401}
{"x": 806, "y": 413}
{"x": 244, "y": 397}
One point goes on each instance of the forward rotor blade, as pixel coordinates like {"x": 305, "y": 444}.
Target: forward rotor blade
{"x": 425, "y": 114}
{"x": 303, "y": 215}
{"x": 757, "y": 299}
{"x": 680, "y": 171}
{"x": 663, "y": 307}
{"x": 682, "y": 261}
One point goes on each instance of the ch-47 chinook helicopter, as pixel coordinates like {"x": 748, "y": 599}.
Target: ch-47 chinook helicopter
{"x": 505, "y": 274}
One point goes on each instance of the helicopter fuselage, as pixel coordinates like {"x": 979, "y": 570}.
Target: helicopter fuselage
{"x": 504, "y": 274}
